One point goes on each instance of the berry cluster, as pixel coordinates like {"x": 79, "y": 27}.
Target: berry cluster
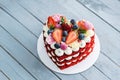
{"x": 66, "y": 31}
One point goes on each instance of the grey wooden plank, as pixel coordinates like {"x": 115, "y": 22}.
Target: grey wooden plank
{"x": 101, "y": 27}
{"x": 8, "y": 61}
{"x": 12, "y": 68}
{"x": 22, "y": 16}
{"x": 94, "y": 73}
{"x": 110, "y": 68}
{"x": 24, "y": 36}
{"x": 71, "y": 77}
{"x": 108, "y": 10}
{"x": 25, "y": 59}
{"x": 3, "y": 76}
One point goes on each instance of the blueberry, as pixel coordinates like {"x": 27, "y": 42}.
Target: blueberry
{"x": 81, "y": 36}
{"x": 72, "y": 21}
{"x": 65, "y": 33}
{"x": 49, "y": 31}
{"x": 63, "y": 39}
{"x": 57, "y": 45}
{"x": 75, "y": 27}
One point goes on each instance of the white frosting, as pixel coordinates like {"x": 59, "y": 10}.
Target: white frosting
{"x": 83, "y": 50}
{"x": 60, "y": 60}
{"x": 75, "y": 48}
{"x": 68, "y": 58}
{"x": 87, "y": 39}
{"x": 90, "y": 50}
{"x": 48, "y": 48}
{"x": 52, "y": 54}
{"x": 68, "y": 63}
{"x": 76, "y": 55}
{"x": 82, "y": 44}
{"x": 45, "y": 34}
{"x": 90, "y": 33}
{"x": 49, "y": 55}
{"x": 53, "y": 59}
{"x": 45, "y": 28}
{"x": 59, "y": 52}
{"x": 80, "y": 58}
{"x": 74, "y": 44}
{"x": 60, "y": 64}
{"x": 84, "y": 54}
{"x": 74, "y": 60}
{"x": 52, "y": 45}
{"x": 68, "y": 51}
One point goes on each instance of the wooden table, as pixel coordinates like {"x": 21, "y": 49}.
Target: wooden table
{"x": 21, "y": 24}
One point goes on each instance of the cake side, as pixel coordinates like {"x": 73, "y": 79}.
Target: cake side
{"x": 68, "y": 42}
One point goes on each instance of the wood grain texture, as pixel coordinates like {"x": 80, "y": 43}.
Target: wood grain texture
{"x": 11, "y": 11}
{"x": 3, "y": 76}
{"x": 107, "y": 10}
{"x": 11, "y": 68}
{"x": 21, "y": 23}
{"x": 26, "y": 59}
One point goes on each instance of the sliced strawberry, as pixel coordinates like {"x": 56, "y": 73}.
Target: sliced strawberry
{"x": 57, "y": 35}
{"x": 72, "y": 36}
{"x": 51, "y": 22}
{"x": 81, "y": 24}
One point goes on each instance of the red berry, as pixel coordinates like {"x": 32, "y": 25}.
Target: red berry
{"x": 57, "y": 35}
{"x": 66, "y": 27}
{"x": 72, "y": 36}
{"x": 51, "y": 22}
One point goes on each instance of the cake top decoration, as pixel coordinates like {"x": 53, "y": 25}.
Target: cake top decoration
{"x": 67, "y": 33}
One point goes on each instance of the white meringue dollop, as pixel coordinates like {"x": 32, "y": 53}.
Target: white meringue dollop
{"x": 59, "y": 52}
{"x": 68, "y": 51}
{"x": 82, "y": 44}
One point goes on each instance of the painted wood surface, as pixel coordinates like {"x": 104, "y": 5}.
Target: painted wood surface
{"x": 21, "y": 24}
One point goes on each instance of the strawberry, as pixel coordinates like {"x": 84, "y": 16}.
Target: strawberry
{"x": 72, "y": 36}
{"x": 66, "y": 27}
{"x": 57, "y": 35}
{"x": 51, "y": 22}
{"x": 82, "y": 26}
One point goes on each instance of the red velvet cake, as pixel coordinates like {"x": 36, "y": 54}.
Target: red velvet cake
{"x": 68, "y": 42}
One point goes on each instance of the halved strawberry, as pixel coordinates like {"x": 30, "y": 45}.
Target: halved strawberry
{"x": 72, "y": 36}
{"x": 81, "y": 25}
{"x": 57, "y": 35}
{"x": 51, "y": 22}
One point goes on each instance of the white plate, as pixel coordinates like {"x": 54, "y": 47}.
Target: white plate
{"x": 82, "y": 66}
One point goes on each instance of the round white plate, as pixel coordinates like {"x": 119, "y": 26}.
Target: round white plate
{"x": 82, "y": 66}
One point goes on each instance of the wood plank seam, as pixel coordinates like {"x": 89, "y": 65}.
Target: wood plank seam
{"x": 29, "y": 51}
{"x": 83, "y": 76}
{"x": 30, "y": 13}
{"x": 110, "y": 59}
{"x": 102, "y": 72}
{"x": 98, "y": 16}
{"x": 16, "y": 59}
{"x": 43, "y": 24}
{"x": 17, "y": 21}
{"x": 35, "y": 16}
{"x": 4, "y": 74}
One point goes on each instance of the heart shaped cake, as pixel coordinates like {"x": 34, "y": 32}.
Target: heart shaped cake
{"x": 68, "y": 42}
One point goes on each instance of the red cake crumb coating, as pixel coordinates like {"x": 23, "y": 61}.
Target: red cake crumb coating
{"x": 72, "y": 31}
